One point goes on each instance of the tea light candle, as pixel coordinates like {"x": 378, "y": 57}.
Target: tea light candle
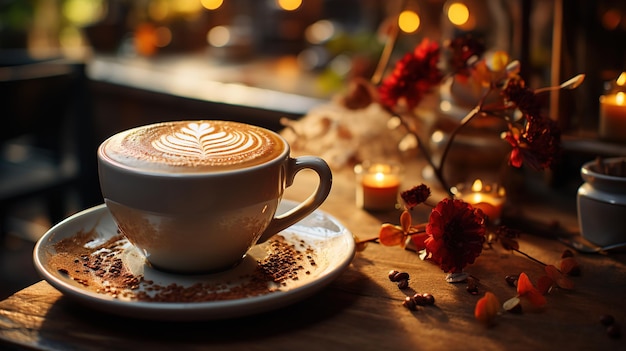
{"x": 613, "y": 111}
{"x": 490, "y": 201}
{"x": 613, "y": 117}
{"x": 377, "y": 186}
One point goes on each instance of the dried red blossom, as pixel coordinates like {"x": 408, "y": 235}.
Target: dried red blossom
{"x": 413, "y": 76}
{"x": 516, "y": 93}
{"x": 463, "y": 50}
{"x": 507, "y": 237}
{"x": 537, "y": 145}
{"x": 456, "y": 234}
{"x": 415, "y": 195}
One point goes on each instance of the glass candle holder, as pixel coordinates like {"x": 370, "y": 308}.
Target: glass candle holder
{"x": 378, "y": 185}
{"x": 489, "y": 198}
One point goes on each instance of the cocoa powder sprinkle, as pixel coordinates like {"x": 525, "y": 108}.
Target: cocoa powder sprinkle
{"x": 100, "y": 268}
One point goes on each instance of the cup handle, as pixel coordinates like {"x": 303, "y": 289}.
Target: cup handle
{"x": 309, "y": 205}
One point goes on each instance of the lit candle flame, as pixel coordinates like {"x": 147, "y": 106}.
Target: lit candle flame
{"x": 621, "y": 80}
{"x": 477, "y": 185}
{"x": 619, "y": 98}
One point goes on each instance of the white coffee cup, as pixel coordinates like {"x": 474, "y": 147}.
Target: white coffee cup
{"x": 195, "y": 196}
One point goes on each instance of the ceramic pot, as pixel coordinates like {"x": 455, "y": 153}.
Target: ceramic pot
{"x": 601, "y": 202}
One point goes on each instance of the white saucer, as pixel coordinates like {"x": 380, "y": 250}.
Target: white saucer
{"x": 328, "y": 242}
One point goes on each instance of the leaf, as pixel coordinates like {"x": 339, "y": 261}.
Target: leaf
{"x": 559, "y": 278}
{"x": 391, "y": 235}
{"x": 405, "y": 221}
{"x": 524, "y": 284}
{"x": 536, "y": 298}
{"x": 487, "y": 308}
{"x": 569, "y": 266}
{"x": 544, "y": 284}
{"x": 525, "y": 288}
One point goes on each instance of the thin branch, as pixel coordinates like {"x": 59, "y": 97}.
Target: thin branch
{"x": 387, "y": 50}
{"x": 529, "y": 257}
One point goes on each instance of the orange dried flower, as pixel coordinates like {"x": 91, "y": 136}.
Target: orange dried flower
{"x": 525, "y": 288}
{"x": 487, "y": 308}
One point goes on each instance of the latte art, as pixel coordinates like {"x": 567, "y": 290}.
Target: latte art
{"x": 201, "y": 140}
{"x": 189, "y": 146}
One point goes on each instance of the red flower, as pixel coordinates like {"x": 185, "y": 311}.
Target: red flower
{"x": 537, "y": 145}
{"x": 464, "y": 49}
{"x": 413, "y": 76}
{"x": 415, "y": 195}
{"x": 456, "y": 233}
{"x": 515, "y": 92}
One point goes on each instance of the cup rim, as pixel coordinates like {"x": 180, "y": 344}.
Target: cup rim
{"x": 106, "y": 160}
{"x": 587, "y": 170}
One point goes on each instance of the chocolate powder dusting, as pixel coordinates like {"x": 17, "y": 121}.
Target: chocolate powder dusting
{"x": 99, "y": 268}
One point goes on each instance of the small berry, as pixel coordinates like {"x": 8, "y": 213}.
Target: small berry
{"x": 409, "y": 303}
{"x": 511, "y": 280}
{"x": 403, "y": 284}
{"x": 567, "y": 253}
{"x": 472, "y": 286}
{"x": 401, "y": 276}
{"x": 423, "y": 299}
{"x": 392, "y": 274}
{"x": 430, "y": 299}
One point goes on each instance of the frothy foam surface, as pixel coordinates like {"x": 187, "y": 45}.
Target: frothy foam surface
{"x": 193, "y": 146}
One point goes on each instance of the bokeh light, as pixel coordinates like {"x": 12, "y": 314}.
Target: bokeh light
{"x": 81, "y": 12}
{"x": 218, "y": 36}
{"x": 408, "y": 21}
{"x": 319, "y": 32}
{"x": 458, "y": 13}
{"x": 289, "y": 5}
{"x": 211, "y": 4}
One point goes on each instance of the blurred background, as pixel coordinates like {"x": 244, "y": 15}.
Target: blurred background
{"x": 73, "y": 72}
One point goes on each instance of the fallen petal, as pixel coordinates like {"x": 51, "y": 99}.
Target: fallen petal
{"x": 487, "y": 308}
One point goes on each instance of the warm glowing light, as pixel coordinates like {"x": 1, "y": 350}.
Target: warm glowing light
{"x": 458, "y": 13}
{"x": 82, "y": 12}
{"x": 621, "y": 80}
{"x": 437, "y": 136}
{"x": 498, "y": 61}
{"x": 158, "y": 10}
{"x": 289, "y": 5}
{"x": 620, "y": 98}
{"x": 408, "y": 21}
{"x": 320, "y": 32}
{"x": 188, "y": 7}
{"x": 477, "y": 185}
{"x": 445, "y": 106}
{"x": 211, "y": 4}
{"x": 218, "y": 36}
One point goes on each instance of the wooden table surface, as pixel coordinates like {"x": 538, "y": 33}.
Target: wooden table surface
{"x": 361, "y": 310}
